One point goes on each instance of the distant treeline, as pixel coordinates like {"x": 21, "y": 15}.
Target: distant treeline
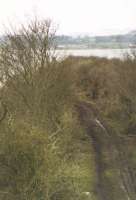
{"x": 122, "y": 41}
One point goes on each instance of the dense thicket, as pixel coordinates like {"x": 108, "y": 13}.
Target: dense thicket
{"x": 67, "y": 128}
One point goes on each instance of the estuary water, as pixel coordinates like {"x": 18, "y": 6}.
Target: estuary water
{"x": 108, "y": 53}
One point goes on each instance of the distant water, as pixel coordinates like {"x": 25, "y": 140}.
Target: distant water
{"x": 108, "y": 53}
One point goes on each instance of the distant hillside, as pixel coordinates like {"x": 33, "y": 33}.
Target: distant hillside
{"x": 111, "y": 41}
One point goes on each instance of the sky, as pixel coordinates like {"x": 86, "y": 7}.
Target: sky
{"x": 93, "y": 17}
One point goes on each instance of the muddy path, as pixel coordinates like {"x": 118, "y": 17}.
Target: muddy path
{"x": 97, "y": 132}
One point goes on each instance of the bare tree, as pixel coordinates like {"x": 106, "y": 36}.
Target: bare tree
{"x": 24, "y": 57}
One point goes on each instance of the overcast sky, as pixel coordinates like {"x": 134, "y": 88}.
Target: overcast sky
{"x": 95, "y": 17}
